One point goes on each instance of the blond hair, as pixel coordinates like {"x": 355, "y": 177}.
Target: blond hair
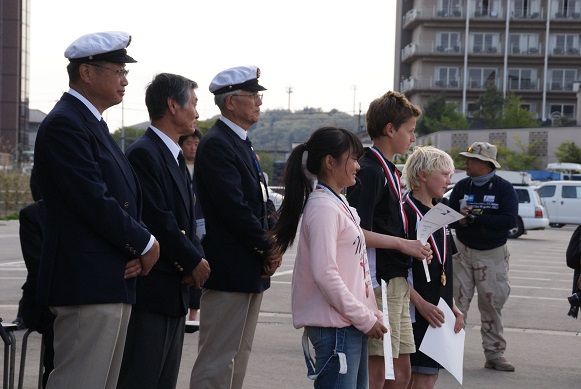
{"x": 427, "y": 159}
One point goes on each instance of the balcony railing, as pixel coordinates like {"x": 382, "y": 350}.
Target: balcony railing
{"x": 530, "y": 50}
{"x": 565, "y": 51}
{"x": 447, "y": 84}
{"x": 410, "y": 16}
{"x": 488, "y": 13}
{"x": 448, "y": 13}
{"x": 560, "y": 85}
{"x": 430, "y": 83}
{"x": 426, "y": 48}
{"x": 524, "y": 85}
{"x": 477, "y": 49}
{"x": 536, "y": 14}
{"x": 564, "y": 14}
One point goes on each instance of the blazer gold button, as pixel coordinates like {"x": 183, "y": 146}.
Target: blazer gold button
{"x": 183, "y": 232}
{"x": 126, "y": 205}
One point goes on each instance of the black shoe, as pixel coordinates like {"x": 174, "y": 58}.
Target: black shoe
{"x": 499, "y": 364}
{"x": 19, "y": 323}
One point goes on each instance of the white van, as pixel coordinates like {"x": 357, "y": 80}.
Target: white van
{"x": 562, "y": 200}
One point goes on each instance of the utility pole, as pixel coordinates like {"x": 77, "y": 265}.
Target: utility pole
{"x": 122, "y": 126}
{"x": 289, "y": 90}
{"x": 354, "y": 94}
{"x": 359, "y": 119}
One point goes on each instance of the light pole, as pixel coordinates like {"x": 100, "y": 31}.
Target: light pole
{"x": 289, "y": 90}
{"x": 354, "y": 94}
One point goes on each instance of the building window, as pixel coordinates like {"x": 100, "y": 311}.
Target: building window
{"x": 488, "y": 8}
{"x": 562, "y": 79}
{"x": 565, "y": 44}
{"x": 521, "y": 78}
{"x": 450, "y": 8}
{"x": 526, "y": 8}
{"x": 485, "y": 42}
{"x": 561, "y": 110}
{"x": 479, "y": 78}
{"x": 447, "y": 77}
{"x": 568, "y": 9}
{"x": 448, "y": 42}
{"x": 523, "y": 43}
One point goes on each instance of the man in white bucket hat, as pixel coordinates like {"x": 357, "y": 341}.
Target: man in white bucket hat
{"x": 490, "y": 205}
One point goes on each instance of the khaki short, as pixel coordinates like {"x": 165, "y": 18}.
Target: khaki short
{"x": 398, "y": 306}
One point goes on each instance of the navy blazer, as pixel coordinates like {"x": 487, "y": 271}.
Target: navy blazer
{"x": 93, "y": 210}
{"x": 35, "y": 316}
{"x": 168, "y": 211}
{"x": 236, "y": 243}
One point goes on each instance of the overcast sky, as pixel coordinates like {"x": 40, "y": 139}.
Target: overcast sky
{"x": 333, "y": 54}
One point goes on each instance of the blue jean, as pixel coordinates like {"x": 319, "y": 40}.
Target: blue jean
{"x": 331, "y": 370}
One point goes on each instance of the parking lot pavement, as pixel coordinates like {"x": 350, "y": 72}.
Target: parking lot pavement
{"x": 543, "y": 342}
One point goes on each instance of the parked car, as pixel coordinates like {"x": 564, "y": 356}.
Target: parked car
{"x": 531, "y": 213}
{"x": 275, "y": 197}
{"x": 562, "y": 199}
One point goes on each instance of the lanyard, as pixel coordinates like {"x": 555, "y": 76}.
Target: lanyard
{"x": 337, "y": 197}
{"x": 394, "y": 183}
{"x": 441, "y": 259}
{"x": 360, "y": 245}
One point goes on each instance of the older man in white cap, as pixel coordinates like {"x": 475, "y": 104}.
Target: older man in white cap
{"x": 94, "y": 242}
{"x": 490, "y": 205}
{"x": 238, "y": 214}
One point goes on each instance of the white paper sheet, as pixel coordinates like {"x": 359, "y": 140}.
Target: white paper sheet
{"x": 437, "y": 217}
{"x": 387, "y": 354}
{"x": 444, "y": 346}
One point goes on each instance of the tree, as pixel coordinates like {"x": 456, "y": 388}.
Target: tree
{"x": 515, "y": 115}
{"x": 438, "y": 115}
{"x": 266, "y": 163}
{"x": 568, "y": 152}
{"x": 490, "y": 107}
{"x": 459, "y": 160}
{"x": 517, "y": 161}
{"x": 131, "y": 135}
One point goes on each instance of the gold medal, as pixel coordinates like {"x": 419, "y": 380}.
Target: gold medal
{"x": 443, "y": 279}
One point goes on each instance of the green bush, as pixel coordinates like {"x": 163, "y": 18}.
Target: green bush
{"x": 14, "y": 193}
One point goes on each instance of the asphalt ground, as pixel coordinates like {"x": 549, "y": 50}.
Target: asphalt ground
{"x": 543, "y": 342}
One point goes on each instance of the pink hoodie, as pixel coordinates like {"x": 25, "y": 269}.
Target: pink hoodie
{"x": 331, "y": 285}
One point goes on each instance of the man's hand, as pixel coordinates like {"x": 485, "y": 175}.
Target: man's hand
{"x": 418, "y": 250}
{"x": 133, "y": 268}
{"x": 271, "y": 263}
{"x": 200, "y": 274}
{"x": 149, "y": 259}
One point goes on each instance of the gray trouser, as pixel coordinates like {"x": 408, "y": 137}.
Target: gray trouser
{"x": 487, "y": 270}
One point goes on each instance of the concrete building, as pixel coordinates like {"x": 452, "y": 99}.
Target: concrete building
{"x": 458, "y": 47}
{"x": 545, "y": 139}
{"x": 14, "y": 76}
{"x": 35, "y": 117}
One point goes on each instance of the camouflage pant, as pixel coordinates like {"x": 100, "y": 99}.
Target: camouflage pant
{"x": 487, "y": 271}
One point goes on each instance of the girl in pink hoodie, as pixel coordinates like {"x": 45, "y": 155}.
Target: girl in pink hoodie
{"x": 332, "y": 296}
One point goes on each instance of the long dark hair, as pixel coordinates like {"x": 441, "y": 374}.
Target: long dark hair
{"x": 333, "y": 141}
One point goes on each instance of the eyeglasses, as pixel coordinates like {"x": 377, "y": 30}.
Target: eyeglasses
{"x": 257, "y": 96}
{"x": 119, "y": 72}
